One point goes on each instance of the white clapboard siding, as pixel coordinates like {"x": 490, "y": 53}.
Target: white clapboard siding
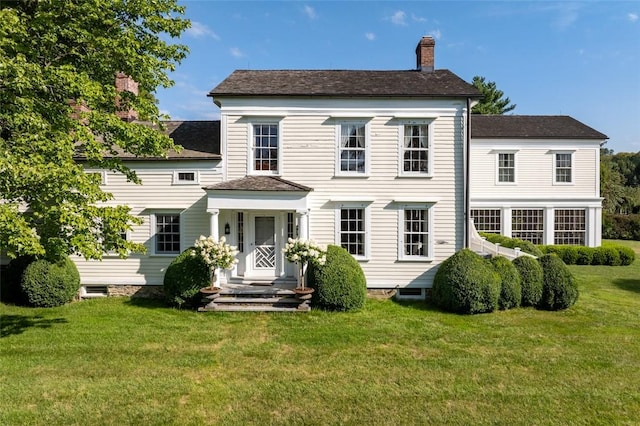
{"x": 308, "y": 138}
{"x": 158, "y": 193}
{"x": 534, "y": 169}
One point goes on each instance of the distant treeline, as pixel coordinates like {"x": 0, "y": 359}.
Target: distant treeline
{"x": 620, "y": 187}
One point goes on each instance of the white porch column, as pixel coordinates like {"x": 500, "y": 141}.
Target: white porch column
{"x": 303, "y": 224}
{"x": 506, "y": 222}
{"x": 214, "y": 227}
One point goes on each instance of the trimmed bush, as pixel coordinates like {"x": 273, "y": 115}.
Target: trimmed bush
{"x": 466, "y": 283}
{"x": 559, "y": 289}
{"x": 525, "y": 246}
{"x": 10, "y": 287}
{"x": 627, "y": 255}
{"x": 621, "y": 227}
{"x": 585, "y": 255}
{"x": 340, "y": 283}
{"x": 184, "y": 278}
{"x": 606, "y": 255}
{"x": 48, "y": 284}
{"x": 510, "y": 290}
{"x": 530, "y": 273}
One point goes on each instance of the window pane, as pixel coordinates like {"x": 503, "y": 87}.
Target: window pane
{"x": 506, "y": 168}
{"x": 416, "y": 232}
{"x": 352, "y": 231}
{"x": 167, "y": 234}
{"x": 352, "y": 148}
{"x": 528, "y": 225}
{"x": 415, "y": 148}
{"x": 487, "y": 220}
{"x": 570, "y": 226}
{"x": 265, "y": 147}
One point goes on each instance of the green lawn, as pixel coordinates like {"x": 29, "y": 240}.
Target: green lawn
{"x": 120, "y": 361}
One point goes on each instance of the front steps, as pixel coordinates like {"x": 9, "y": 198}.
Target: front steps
{"x": 251, "y": 298}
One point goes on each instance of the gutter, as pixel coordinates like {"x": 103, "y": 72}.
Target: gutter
{"x": 467, "y": 157}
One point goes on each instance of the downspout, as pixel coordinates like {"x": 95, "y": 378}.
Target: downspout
{"x": 467, "y": 177}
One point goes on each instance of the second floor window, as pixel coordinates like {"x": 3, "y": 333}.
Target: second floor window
{"x": 352, "y": 148}
{"x": 563, "y": 168}
{"x": 265, "y": 148}
{"x": 506, "y": 167}
{"x": 415, "y": 149}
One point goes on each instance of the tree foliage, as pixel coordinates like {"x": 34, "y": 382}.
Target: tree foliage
{"x": 493, "y": 101}
{"x": 620, "y": 182}
{"x": 55, "y": 53}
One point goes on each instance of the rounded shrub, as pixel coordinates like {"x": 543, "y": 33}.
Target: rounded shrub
{"x": 627, "y": 255}
{"x": 606, "y": 255}
{"x": 339, "y": 284}
{"x": 559, "y": 289}
{"x": 510, "y": 290}
{"x": 585, "y": 255}
{"x": 48, "y": 284}
{"x": 530, "y": 273}
{"x": 184, "y": 278}
{"x": 525, "y": 246}
{"x": 466, "y": 283}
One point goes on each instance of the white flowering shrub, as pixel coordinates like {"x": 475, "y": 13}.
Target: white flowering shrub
{"x": 216, "y": 254}
{"x": 304, "y": 251}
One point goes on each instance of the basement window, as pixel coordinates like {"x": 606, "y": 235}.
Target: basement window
{"x": 89, "y": 291}
{"x": 409, "y": 293}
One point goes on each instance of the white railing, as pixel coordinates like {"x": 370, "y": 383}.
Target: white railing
{"x": 480, "y": 244}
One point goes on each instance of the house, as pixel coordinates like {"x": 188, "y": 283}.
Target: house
{"x": 536, "y": 178}
{"x": 387, "y": 164}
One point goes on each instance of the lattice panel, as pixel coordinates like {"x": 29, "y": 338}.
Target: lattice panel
{"x": 265, "y": 257}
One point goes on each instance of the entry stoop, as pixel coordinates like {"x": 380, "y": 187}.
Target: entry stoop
{"x": 254, "y": 299}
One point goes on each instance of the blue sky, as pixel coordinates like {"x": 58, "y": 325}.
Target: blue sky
{"x": 572, "y": 58}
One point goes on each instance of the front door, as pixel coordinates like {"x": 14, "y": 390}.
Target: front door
{"x": 264, "y": 246}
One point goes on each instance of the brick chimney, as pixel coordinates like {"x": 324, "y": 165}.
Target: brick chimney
{"x": 424, "y": 54}
{"x": 124, "y": 83}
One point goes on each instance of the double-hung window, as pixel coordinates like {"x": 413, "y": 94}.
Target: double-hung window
{"x": 416, "y": 234}
{"x": 167, "y": 233}
{"x": 265, "y": 148}
{"x": 352, "y": 149}
{"x": 353, "y": 228}
{"x": 563, "y": 168}
{"x": 415, "y": 150}
{"x": 506, "y": 170}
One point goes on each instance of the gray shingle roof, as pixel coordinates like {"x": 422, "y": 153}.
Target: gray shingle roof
{"x": 353, "y": 83}
{"x": 200, "y": 140}
{"x": 260, "y": 183}
{"x": 531, "y": 127}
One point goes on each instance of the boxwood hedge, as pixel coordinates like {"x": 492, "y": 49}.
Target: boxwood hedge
{"x": 511, "y": 291}
{"x": 530, "y": 273}
{"x": 559, "y": 289}
{"x": 47, "y": 284}
{"x": 184, "y": 278}
{"x": 466, "y": 283}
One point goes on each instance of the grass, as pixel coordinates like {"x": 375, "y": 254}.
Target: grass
{"x": 122, "y": 361}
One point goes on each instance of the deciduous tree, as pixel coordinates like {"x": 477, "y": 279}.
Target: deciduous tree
{"x": 57, "y": 53}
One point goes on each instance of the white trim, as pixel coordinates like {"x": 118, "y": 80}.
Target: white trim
{"x": 430, "y": 146}
{"x": 430, "y": 210}
{"x": 177, "y": 181}
{"x": 416, "y": 116}
{"x": 367, "y": 227}
{"x": 257, "y": 200}
{"x": 367, "y": 148}
{"x": 349, "y": 115}
{"x": 269, "y": 121}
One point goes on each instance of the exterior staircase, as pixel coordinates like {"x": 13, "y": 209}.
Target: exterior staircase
{"x": 256, "y": 297}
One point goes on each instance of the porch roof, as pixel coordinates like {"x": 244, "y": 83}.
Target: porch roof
{"x": 258, "y": 193}
{"x": 259, "y": 183}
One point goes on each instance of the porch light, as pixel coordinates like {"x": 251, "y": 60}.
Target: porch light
{"x": 227, "y": 229}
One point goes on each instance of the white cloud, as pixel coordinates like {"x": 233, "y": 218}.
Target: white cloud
{"x": 633, "y": 17}
{"x": 236, "y": 52}
{"x": 370, "y": 36}
{"x": 436, "y": 34}
{"x": 198, "y": 30}
{"x": 399, "y": 18}
{"x": 310, "y": 12}
{"x": 416, "y": 18}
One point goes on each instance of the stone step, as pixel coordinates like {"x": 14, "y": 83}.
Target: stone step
{"x": 256, "y": 291}
{"x": 254, "y": 300}
{"x": 251, "y": 308}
